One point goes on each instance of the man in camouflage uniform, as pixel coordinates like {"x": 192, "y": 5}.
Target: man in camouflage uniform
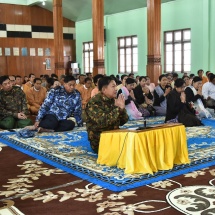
{"x": 13, "y": 106}
{"x": 104, "y": 112}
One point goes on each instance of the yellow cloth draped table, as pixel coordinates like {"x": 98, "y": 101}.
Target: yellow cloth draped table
{"x": 144, "y": 151}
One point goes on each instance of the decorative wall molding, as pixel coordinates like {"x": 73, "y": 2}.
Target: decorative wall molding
{"x": 152, "y": 59}
{"x": 33, "y": 31}
{"x": 99, "y": 63}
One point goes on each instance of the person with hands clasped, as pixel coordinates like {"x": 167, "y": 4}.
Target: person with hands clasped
{"x": 127, "y": 91}
{"x": 13, "y": 106}
{"x": 177, "y": 109}
{"x": 160, "y": 93}
{"x": 144, "y": 98}
{"x": 104, "y": 111}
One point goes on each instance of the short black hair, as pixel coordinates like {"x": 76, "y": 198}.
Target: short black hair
{"x": 207, "y": 72}
{"x": 123, "y": 76}
{"x": 87, "y": 79}
{"x": 185, "y": 76}
{"x": 142, "y": 77}
{"x": 81, "y": 75}
{"x": 46, "y": 76}
{"x": 30, "y": 75}
{"x": 105, "y": 81}
{"x": 179, "y": 82}
{"x": 200, "y": 70}
{"x": 211, "y": 77}
{"x": 4, "y": 78}
{"x": 175, "y": 75}
{"x": 130, "y": 81}
{"x": 53, "y": 75}
{"x": 161, "y": 76}
{"x": 50, "y": 81}
{"x": 18, "y": 76}
{"x": 69, "y": 78}
{"x": 129, "y": 75}
{"x": 88, "y": 73}
{"x": 192, "y": 75}
{"x": 62, "y": 76}
{"x": 97, "y": 77}
{"x": 37, "y": 79}
{"x": 196, "y": 79}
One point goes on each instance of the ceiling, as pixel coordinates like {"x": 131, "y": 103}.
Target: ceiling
{"x": 78, "y": 10}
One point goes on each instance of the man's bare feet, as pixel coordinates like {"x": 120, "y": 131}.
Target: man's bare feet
{"x": 41, "y": 130}
{"x": 30, "y": 127}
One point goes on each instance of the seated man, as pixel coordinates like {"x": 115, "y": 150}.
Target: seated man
{"x": 36, "y": 96}
{"x": 85, "y": 91}
{"x": 104, "y": 112}
{"x": 81, "y": 82}
{"x": 59, "y": 105}
{"x": 19, "y": 81}
{"x": 29, "y": 84}
{"x": 12, "y": 80}
{"x": 13, "y": 106}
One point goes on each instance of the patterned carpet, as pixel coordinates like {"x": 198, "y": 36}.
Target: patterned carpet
{"x": 70, "y": 151}
{"x": 31, "y": 187}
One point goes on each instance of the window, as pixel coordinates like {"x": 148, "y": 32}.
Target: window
{"x": 88, "y": 57}
{"x": 127, "y": 54}
{"x": 177, "y": 51}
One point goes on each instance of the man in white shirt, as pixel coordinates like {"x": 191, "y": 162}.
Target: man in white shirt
{"x": 208, "y": 91}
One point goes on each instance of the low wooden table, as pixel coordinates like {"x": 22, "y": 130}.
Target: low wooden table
{"x": 144, "y": 151}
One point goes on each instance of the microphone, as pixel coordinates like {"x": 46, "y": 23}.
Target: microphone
{"x": 144, "y": 121}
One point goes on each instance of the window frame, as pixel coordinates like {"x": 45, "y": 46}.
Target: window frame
{"x": 182, "y": 41}
{"x": 131, "y": 46}
{"x": 89, "y": 51}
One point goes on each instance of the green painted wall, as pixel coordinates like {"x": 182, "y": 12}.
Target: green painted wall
{"x": 212, "y": 37}
{"x": 125, "y": 24}
{"x": 84, "y": 33}
{"x": 195, "y": 14}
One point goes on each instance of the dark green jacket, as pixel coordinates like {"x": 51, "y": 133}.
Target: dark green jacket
{"x": 12, "y": 102}
{"x": 102, "y": 115}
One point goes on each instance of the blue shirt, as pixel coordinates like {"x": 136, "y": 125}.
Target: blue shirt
{"x": 62, "y": 104}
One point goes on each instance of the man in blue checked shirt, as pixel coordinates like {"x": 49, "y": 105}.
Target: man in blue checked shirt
{"x": 60, "y": 104}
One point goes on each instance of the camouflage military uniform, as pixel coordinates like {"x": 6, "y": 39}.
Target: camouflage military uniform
{"x": 11, "y": 103}
{"x": 102, "y": 115}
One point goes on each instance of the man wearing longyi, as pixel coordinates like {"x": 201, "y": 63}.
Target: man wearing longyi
{"x": 104, "y": 112}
